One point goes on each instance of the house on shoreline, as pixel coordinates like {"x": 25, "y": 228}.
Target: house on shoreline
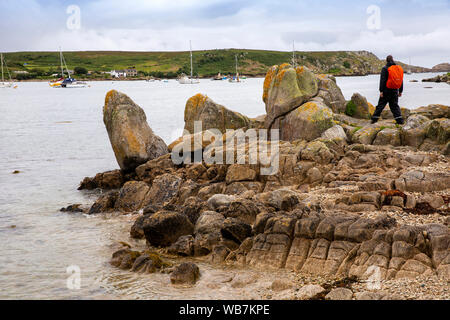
{"x": 129, "y": 72}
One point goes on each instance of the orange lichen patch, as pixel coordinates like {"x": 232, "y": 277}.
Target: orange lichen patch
{"x": 308, "y": 107}
{"x": 299, "y": 70}
{"x": 267, "y": 81}
{"x": 194, "y": 103}
{"x": 133, "y": 142}
{"x": 312, "y": 113}
{"x": 322, "y": 76}
{"x": 279, "y": 77}
{"x": 108, "y": 96}
{"x": 197, "y": 101}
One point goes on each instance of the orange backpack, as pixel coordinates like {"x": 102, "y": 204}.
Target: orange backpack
{"x": 395, "y": 78}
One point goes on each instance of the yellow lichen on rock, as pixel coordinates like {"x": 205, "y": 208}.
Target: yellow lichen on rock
{"x": 299, "y": 70}
{"x": 267, "y": 81}
{"x": 197, "y": 101}
{"x": 108, "y": 96}
{"x": 371, "y": 108}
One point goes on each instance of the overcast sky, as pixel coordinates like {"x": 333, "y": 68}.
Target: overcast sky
{"x": 414, "y": 29}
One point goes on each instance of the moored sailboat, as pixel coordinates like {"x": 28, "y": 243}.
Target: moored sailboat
{"x": 236, "y": 77}
{"x": 3, "y": 83}
{"x": 68, "y": 82}
{"x": 184, "y": 79}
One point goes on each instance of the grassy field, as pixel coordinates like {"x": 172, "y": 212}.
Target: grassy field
{"x": 206, "y": 63}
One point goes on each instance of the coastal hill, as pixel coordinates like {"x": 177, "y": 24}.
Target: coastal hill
{"x": 442, "y": 67}
{"x": 207, "y": 63}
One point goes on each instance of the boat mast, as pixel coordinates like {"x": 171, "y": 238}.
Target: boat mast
{"x": 61, "y": 62}
{"x": 294, "y": 63}
{"x": 235, "y": 56}
{"x": 1, "y": 58}
{"x": 190, "y": 49}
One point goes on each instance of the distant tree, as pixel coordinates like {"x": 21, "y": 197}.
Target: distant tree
{"x": 80, "y": 70}
{"x": 347, "y": 64}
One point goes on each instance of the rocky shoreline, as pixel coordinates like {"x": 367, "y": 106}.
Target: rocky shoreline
{"x": 441, "y": 78}
{"x": 352, "y": 210}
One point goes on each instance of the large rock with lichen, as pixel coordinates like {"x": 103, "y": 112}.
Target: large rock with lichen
{"x": 287, "y": 88}
{"x": 358, "y": 107}
{"x": 213, "y": 116}
{"x": 306, "y": 122}
{"x": 132, "y": 139}
{"x": 331, "y": 94}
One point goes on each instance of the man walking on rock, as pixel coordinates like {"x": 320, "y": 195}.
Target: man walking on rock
{"x": 391, "y": 88}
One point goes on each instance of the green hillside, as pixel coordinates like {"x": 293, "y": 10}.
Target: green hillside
{"x": 206, "y": 63}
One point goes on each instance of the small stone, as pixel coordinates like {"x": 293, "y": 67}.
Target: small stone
{"x": 310, "y": 291}
{"x": 185, "y": 273}
{"x": 340, "y": 294}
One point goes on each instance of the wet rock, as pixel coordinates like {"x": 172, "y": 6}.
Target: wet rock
{"x": 132, "y": 140}
{"x": 261, "y": 221}
{"x": 208, "y": 191}
{"x": 244, "y": 210}
{"x": 204, "y": 243}
{"x": 148, "y": 171}
{"x": 131, "y": 196}
{"x": 209, "y": 222}
{"x": 237, "y": 172}
{"x": 124, "y": 258}
{"x": 72, "y": 208}
{"x": 184, "y": 246}
{"x": 192, "y": 208}
{"x": 185, "y": 273}
{"x": 339, "y": 294}
{"x": 137, "y": 229}
{"x": 275, "y": 198}
{"x": 148, "y": 262}
{"x": 164, "y": 188}
{"x": 235, "y": 230}
{"x": 219, "y": 254}
{"x": 105, "y": 203}
{"x": 107, "y": 180}
{"x": 164, "y": 228}
{"x": 220, "y": 200}
{"x": 195, "y": 171}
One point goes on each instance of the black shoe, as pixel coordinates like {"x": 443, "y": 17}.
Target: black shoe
{"x": 374, "y": 121}
{"x": 400, "y": 122}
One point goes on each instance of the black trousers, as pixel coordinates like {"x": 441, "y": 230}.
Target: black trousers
{"x": 390, "y": 97}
